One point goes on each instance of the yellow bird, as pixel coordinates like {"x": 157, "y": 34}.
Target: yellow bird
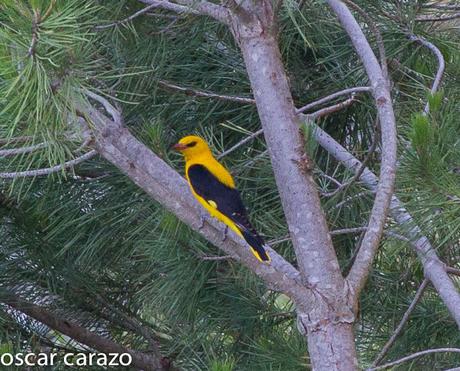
{"x": 214, "y": 188}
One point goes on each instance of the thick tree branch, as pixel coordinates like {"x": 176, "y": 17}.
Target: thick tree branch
{"x": 161, "y": 182}
{"x": 360, "y": 269}
{"x": 80, "y": 334}
{"x": 404, "y": 319}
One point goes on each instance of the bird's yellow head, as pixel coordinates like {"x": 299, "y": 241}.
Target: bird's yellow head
{"x": 192, "y": 146}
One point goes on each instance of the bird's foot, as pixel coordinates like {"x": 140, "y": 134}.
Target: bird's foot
{"x": 224, "y": 233}
{"x": 203, "y": 218}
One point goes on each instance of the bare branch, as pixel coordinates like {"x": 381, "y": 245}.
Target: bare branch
{"x": 413, "y": 356}
{"x": 12, "y": 140}
{"x": 80, "y": 334}
{"x": 49, "y": 170}
{"x": 128, "y": 19}
{"x": 438, "y": 19}
{"x": 441, "y": 6}
{"x": 441, "y": 65}
{"x": 331, "y": 109}
{"x": 378, "y": 36}
{"x": 404, "y": 319}
{"x": 21, "y": 150}
{"x": 360, "y": 269}
{"x": 356, "y": 89}
{"x": 434, "y": 268}
{"x": 241, "y": 143}
{"x": 453, "y": 271}
{"x": 201, "y": 93}
{"x": 196, "y": 7}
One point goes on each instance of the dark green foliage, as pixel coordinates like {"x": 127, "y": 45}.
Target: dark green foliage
{"x": 99, "y": 249}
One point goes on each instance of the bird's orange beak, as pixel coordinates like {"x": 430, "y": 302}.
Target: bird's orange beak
{"x": 178, "y": 147}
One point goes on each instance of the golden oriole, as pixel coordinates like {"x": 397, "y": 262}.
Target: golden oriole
{"x": 214, "y": 188}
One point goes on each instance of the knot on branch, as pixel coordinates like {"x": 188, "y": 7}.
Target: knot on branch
{"x": 306, "y": 324}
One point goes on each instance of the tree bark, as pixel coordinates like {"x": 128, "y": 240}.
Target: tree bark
{"x": 327, "y": 322}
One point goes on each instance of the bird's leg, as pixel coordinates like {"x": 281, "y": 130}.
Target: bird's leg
{"x": 203, "y": 218}
{"x": 224, "y": 233}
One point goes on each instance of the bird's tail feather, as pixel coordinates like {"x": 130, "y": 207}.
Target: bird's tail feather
{"x": 257, "y": 245}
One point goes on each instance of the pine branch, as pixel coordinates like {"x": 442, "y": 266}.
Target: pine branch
{"x": 204, "y": 94}
{"x": 361, "y": 267}
{"x": 441, "y": 65}
{"x": 128, "y": 19}
{"x": 161, "y": 182}
{"x": 195, "y": 7}
{"x": 241, "y": 143}
{"x": 49, "y": 170}
{"x": 438, "y": 19}
{"x": 360, "y": 170}
{"x": 413, "y": 356}
{"x": 434, "y": 268}
{"x": 356, "y": 89}
{"x": 81, "y": 334}
{"x": 404, "y": 319}
{"x": 22, "y": 150}
{"x": 378, "y": 36}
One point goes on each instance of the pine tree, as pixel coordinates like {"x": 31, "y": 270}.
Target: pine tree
{"x": 100, "y": 247}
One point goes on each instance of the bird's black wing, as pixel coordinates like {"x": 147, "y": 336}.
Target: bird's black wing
{"x": 226, "y": 199}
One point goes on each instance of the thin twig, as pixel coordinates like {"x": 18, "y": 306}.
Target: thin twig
{"x": 439, "y": 19}
{"x": 442, "y": 6}
{"x": 413, "y": 356}
{"x": 356, "y": 89}
{"x": 35, "y": 26}
{"x": 241, "y": 143}
{"x": 361, "y": 168}
{"x": 21, "y": 150}
{"x": 404, "y": 319}
{"x": 202, "y": 7}
{"x": 49, "y": 170}
{"x": 453, "y": 271}
{"x": 128, "y": 19}
{"x": 331, "y": 109}
{"x": 12, "y": 140}
{"x": 201, "y": 93}
{"x": 441, "y": 65}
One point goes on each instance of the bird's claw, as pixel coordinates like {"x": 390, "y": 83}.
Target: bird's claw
{"x": 224, "y": 234}
{"x": 203, "y": 220}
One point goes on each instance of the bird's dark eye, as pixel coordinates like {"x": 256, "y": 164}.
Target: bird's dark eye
{"x": 191, "y": 144}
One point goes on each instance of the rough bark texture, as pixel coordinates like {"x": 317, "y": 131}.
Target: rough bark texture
{"x": 328, "y": 323}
